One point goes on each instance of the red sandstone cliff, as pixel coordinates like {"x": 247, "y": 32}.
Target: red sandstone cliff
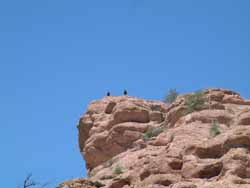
{"x": 129, "y": 142}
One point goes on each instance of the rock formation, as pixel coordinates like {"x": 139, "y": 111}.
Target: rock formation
{"x": 129, "y": 142}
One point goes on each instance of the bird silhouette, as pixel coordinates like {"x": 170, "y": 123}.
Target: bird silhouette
{"x": 125, "y": 92}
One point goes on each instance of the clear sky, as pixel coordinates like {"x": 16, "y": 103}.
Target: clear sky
{"x": 57, "y": 55}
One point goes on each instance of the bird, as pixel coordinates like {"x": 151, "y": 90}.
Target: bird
{"x": 108, "y": 93}
{"x": 125, "y": 92}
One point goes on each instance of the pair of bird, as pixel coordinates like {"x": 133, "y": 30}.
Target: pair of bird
{"x": 125, "y": 92}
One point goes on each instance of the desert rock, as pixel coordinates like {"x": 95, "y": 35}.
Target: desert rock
{"x": 129, "y": 142}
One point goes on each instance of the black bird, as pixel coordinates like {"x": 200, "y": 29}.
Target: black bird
{"x": 108, "y": 93}
{"x": 125, "y": 92}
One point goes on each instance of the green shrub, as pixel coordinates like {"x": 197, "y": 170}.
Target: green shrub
{"x": 152, "y": 132}
{"x": 171, "y": 96}
{"x": 118, "y": 170}
{"x": 215, "y": 129}
{"x": 195, "y": 101}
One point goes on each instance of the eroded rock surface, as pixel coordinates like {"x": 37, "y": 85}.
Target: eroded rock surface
{"x": 120, "y": 152}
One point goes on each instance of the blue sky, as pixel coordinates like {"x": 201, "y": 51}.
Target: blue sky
{"x": 57, "y": 55}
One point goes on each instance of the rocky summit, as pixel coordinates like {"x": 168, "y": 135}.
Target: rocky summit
{"x": 201, "y": 140}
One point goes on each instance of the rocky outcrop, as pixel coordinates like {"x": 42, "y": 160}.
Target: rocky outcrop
{"x": 129, "y": 142}
{"x": 114, "y": 124}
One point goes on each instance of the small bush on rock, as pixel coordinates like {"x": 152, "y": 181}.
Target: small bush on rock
{"x": 152, "y": 132}
{"x": 195, "y": 101}
{"x": 215, "y": 129}
{"x": 171, "y": 96}
{"x": 118, "y": 170}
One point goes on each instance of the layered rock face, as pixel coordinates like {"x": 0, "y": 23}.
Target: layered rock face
{"x": 129, "y": 142}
